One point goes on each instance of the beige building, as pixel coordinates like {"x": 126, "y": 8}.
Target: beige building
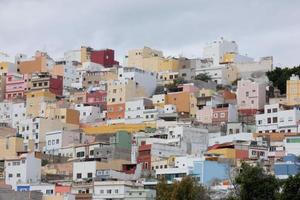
{"x": 293, "y": 91}
{"x": 166, "y": 77}
{"x": 37, "y": 102}
{"x": 95, "y": 78}
{"x": 65, "y": 115}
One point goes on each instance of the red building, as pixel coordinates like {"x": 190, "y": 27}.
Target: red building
{"x": 97, "y": 98}
{"x": 105, "y": 57}
{"x": 56, "y": 85}
{"x": 144, "y": 155}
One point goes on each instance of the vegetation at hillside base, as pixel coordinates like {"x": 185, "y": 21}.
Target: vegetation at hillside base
{"x": 186, "y": 189}
{"x": 279, "y": 76}
{"x": 253, "y": 183}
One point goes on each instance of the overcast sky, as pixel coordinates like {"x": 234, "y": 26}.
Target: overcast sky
{"x": 177, "y": 27}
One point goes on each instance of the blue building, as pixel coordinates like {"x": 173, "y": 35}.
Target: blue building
{"x": 288, "y": 167}
{"x": 207, "y": 171}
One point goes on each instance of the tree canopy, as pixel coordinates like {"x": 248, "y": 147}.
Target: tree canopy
{"x": 203, "y": 77}
{"x": 253, "y": 182}
{"x": 279, "y": 76}
{"x": 186, "y": 189}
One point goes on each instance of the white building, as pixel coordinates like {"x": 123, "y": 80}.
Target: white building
{"x": 57, "y": 140}
{"x": 46, "y": 188}
{"x": 136, "y": 108}
{"x": 275, "y": 119}
{"x": 70, "y": 76}
{"x": 217, "y": 49}
{"x": 73, "y": 55}
{"x": 88, "y": 113}
{"x": 292, "y": 145}
{"x": 112, "y": 189}
{"x": 143, "y": 78}
{"x": 159, "y": 99}
{"x": 24, "y": 169}
{"x": 12, "y": 113}
{"x": 84, "y": 170}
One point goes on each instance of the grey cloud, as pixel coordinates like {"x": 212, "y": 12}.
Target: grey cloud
{"x": 261, "y": 28}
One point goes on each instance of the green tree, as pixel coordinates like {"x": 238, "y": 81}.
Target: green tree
{"x": 291, "y": 188}
{"x": 173, "y": 87}
{"x": 189, "y": 189}
{"x": 203, "y": 77}
{"x": 163, "y": 190}
{"x": 160, "y": 89}
{"x": 186, "y": 189}
{"x": 279, "y": 77}
{"x": 254, "y": 183}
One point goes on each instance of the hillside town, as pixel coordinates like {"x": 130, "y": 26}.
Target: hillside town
{"x": 90, "y": 126}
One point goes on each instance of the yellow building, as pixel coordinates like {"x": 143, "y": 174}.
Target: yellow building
{"x": 169, "y": 64}
{"x": 10, "y": 146}
{"x": 151, "y": 60}
{"x": 85, "y": 54}
{"x": 166, "y": 77}
{"x": 225, "y": 152}
{"x": 193, "y": 105}
{"x": 37, "y": 102}
{"x": 293, "y": 91}
{"x": 205, "y": 92}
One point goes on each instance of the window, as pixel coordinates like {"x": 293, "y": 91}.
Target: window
{"x": 78, "y": 175}
{"x": 108, "y": 191}
{"x": 274, "y": 110}
{"x": 116, "y": 191}
{"x": 259, "y": 121}
{"x": 10, "y": 175}
{"x": 91, "y": 152}
{"x": 49, "y": 191}
{"x": 90, "y": 175}
{"x": 18, "y": 175}
{"x": 269, "y": 111}
{"x": 49, "y": 142}
{"x": 247, "y": 94}
{"x": 101, "y": 191}
{"x": 269, "y": 120}
{"x": 275, "y": 120}
{"x": 16, "y": 163}
{"x": 57, "y": 141}
{"x": 45, "y": 83}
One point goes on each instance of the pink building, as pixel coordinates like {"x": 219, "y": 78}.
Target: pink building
{"x": 251, "y": 96}
{"x": 224, "y": 113}
{"x": 16, "y": 85}
{"x": 221, "y": 113}
{"x": 96, "y": 98}
{"x": 204, "y": 115}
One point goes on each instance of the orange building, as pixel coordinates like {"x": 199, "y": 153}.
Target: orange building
{"x": 37, "y": 64}
{"x": 116, "y": 111}
{"x": 180, "y": 99}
